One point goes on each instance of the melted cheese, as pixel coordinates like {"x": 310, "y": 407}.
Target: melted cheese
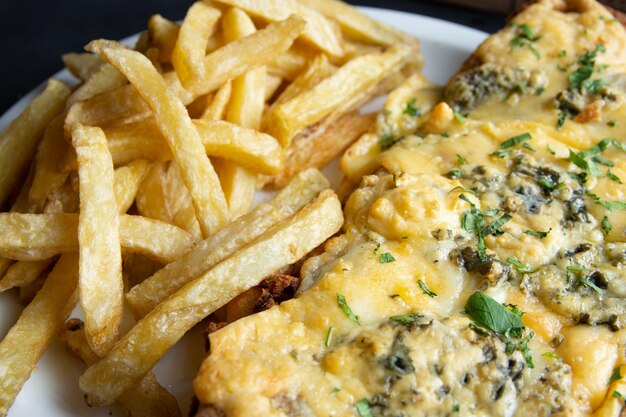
{"x": 306, "y": 357}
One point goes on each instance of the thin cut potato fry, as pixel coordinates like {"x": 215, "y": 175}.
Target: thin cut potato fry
{"x": 190, "y": 49}
{"x": 147, "y": 399}
{"x": 48, "y": 176}
{"x": 29, "y": 291}
{"x": 245, "y": 109}
{"x": 105, "y": 78}
{"x": 23, "y": 273}
{"x": 35, "y": 329}
{"x": 319, "y": 31}
{"x": 162, "y": 33}
{"x": 33, "y": 237}
{"x": 208, "y": 253}
{"x": 81, "y": 65}
{"x": 142, "y": 347}
{"x": 260, "y": 48}
{"x": 177, "y": 128}
{"x": 356, "y": 24}
{"x": 178, "y": 201}
{"x": 340, "y": 91}
{"x": 217, "y": 108}
{"x": 289, "y": 64}
{"x": 150, "y": 198}
{"x": 18, "y": 142}
{"x": 64, "y": 199}
{"x": 318, "y": 150}
{"x": 100, "y": 260}
{"x": 318, "y": 69}
{"x": 127, "y": 180}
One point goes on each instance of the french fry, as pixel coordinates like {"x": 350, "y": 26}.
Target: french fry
{"x": 163, "y": 33}
{"x": 319, "y": 31}
{"x": 360, "y": 158}
{"x": 208, "y": 253}
{"x": 150, "y": 197}
{"x": 288, "y": 65}
{"x": 147, "y": 399}
{"x": 217, "y": 108}
{"x": 336, "y": 94}
{"x": 178, "y": 201}
{"x": 190, "y": 49}
{"x": 35, "y": 237}
{"x": 5, "y": 264}
{"x": 260, "y": 48}
{"x": 36, "y": 327}
{"x": 23, "y": 273}
{"x": 245, "y": 109}
{"x": 142, "y": 347}
{"x": 100, "y": 261}
{"x": 48, "y": 176}
{"x": 65, "y": 198}
{"x": 318, "y": 150}
{"x": 104, "y": 79}
{"x": 81, "y": 65}
{"x": 358, "y": 25}
{"x": 272, "y": 84}
{"x": 177, "y": 128}
{"x": 18, "y": 142}
{"x": 28, "y": 292}
{"x": 126, "y": 182}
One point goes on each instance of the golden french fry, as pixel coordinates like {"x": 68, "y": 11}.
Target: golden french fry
{"x": 217, "y": 108}
{"x": 18, "y": 142}
{"x": 23, "y": 273}
{"x": 48, "y": 176}
{"x": 65, "y": 198}
{"x": 178, "y": 201}
{"x": 5, "y": 264}
{"x": 245, "y": 108}
{"x": 358, "y": 25}
{"x": 147, "y": 399}
{"x": 29, "y": 291}
{"x": 336, "y": 94}
{"x": 289, "y": 64}
{"x": 177, "y": 128}
{"x": 100, "y": 261}
{"x": 34, "y": 237}
{"x": 361, "y": 157}
{"x": 190, "y": 49}
{"x": 319, "y": 31}
{"x": 104, "y": 79}
{"x": 81, "y": 65}
{"x": 35, "y": 329}
{"x": 281, "y": 245}
{"x": 319, "y": 149}
{"x": 150, "y": 198}
{"x": 163, "y": 33}
{"x": 126, "y": 182}
{"x": 208, "y": 253}
{"x": 245, "y": 54}
{"x": 272, "y": 84}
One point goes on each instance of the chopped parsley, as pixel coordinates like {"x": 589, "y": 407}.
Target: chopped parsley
{"x": 529, "y": 147}
{"x": 472, "y": 220}
{"x": 461, "y": 159}
{"x": 609, "y": 205}
{"x": 387, "y": 141}
{"x": 459, "y": 117}
{"x": 538, "y": 234}
{"x": 425, "y": 289}
{"x": 552, "y": 355}
{"x": 588, "y": 166}
{"x": 593, "y": 87}
{"x": 461, "y": 188}
{"x": 363, "y": 408}
{"x": 406, "y": 318}
{"x": 588, "y": 283}
{"x": 329, "y": 336}
{"x": 520, "y": 267}
{"x": 525, "y": 38}
{"x": 562, "y": 53}
{"x": 335, "y": 390}
{"x": 341, "y": 301}
{"x": 613, "y": 177}
{"x": 547, "y": 183}
{"x": 586, "y": 64}
{"x": 611, "y": 123}
{"x": 454, "y": 174}
{"x": 386, "y": 257}
{"x": 550, "y": 150}
{"x": 495, "y": 227}
{"x": 456, "y": 407}
{"x": 606, "y": 226}
{"x": 411, "y": 110}
{"x": 515, "y": 140}
{"x": 603, "y": 161}
{"x": 377, "y": 248}
{"x": 617, "y": 374}
{"x": 581, "y": 177}
{"x": 619, "y": 396}
{"x": 561, "y": 120}
{"x": 576, "y": 268}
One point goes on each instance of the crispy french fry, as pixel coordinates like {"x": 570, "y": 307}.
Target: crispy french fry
{"x": 272, "y": 84}
{"x": 336, "y": 94}
{"x": 65, "y": 198}
{"x": 217, "y": 108}
{"x": 100, "y": 261}
{"x": 23, "y": 273}
{"x": 22, "y": 204}
{"x": 48, "y": 176}
{"x": 18, "y": 142}
{"x": 245, "y": 108}
{"x": 245, "y": 54}
{"x": 289, "y": 64}
{"x": 127, "y": 180}
{"x": 39, "y": 322}
{"x": 318, "y": 150}
{"x": 177, "y": 128}
{"x": 150, "y": 198}
{"x": 163, "y": 33}
{"x": 34, "y": 237}
{"x": 360, "y": 158}
{"x": 104, "y": 79}
{"x": 81, "y": 65}
{"x": 178, "y": 201}
{"x": 147, "y": 399}
{"x": 190, "y": 49}
{"x": 282, "y": 245}
{"x": 29, "y": 291}
{"x": 5, "y": 264}
{"x": 208, "y": 253}
{"x": 356, "y": 24}
{"x": 319, "y": 31}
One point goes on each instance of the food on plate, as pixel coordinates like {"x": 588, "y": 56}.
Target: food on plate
{"x": 481, "y": 266}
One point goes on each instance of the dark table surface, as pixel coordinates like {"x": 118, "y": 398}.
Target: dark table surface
{"x": 34, "y": 34}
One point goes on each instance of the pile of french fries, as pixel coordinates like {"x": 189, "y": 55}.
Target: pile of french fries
{"x": 136, "y": 186}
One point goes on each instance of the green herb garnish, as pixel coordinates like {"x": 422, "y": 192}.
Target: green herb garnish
{"x": 616, "y": 375}
{"x": 613, "y": 177}
{"x": 587, "y": 282}
{"x": 463, "y": 189}
{"x": 538, "y": 234}
{"x": 525, "y": 38}
{"x": 329, "y": 336}
{"x": 386, "y": 257}
{"x": 515, "y": 140}
{"x": 461, "y": 159}
{"x": 619, "y": 396}
{"x": 606, "y": 226}
{"x": 406, "y": 318}
{"x": 363, "y": 408}
{"x": 520, "y": 267}
{"x": 459, "y": 117}
{"x": 425, "y": 289}
{"x": 454, "y": 174}
{"x": 411, "y": 110}
{"x": 341, "y": 301}
{"x": 489, "y": 314}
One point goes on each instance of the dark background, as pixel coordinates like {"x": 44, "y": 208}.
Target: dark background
{"x": 35, "y": 33}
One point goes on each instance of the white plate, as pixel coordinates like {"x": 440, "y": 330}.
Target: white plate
{"x": 52, "y": 389}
